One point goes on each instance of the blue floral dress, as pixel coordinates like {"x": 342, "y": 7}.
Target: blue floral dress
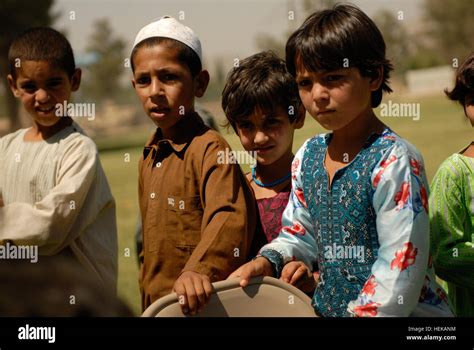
{"x": 368, "y": 232}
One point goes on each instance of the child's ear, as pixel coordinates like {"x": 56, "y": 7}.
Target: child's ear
{"x": 201, "y": 81}
{"x": 299, "y": 121}
{"x": 76, "y": 79}
{"x": 376, "y": 80}
{"x": 12, "y": 85}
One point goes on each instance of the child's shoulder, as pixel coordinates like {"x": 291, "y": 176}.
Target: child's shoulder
{"x": 12, "y": 139}
{"x": 398, "y": 146}
{"x": 210, "y": 139}
{"x": 456, "y": 166}
{"x": 73, "y": 140}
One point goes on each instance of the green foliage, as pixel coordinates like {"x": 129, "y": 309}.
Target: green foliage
{"x": 396, "y": 39}
{"x": 216, "y": 84}
{"x": 451, "y": 27}
{"x": 102, "y": 78}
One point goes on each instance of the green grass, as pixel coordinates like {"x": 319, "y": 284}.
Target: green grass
{"x": 441, "y": 131}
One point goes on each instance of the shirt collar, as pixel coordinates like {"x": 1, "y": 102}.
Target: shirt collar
{"x": 186, "y": 129}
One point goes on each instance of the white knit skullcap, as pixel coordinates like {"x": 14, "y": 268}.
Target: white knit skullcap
{"x": 168, "y": 27}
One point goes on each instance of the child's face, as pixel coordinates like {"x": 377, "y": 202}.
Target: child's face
{"x": 469, "y": 107}
{"x": 335, "y": 98}
{"x": 270, "y": 136}
{"x": 164, "y": 85}
{"x": 40, "y": 86}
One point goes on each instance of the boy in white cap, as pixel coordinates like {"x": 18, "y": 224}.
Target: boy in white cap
{"x": 198, "y": 215}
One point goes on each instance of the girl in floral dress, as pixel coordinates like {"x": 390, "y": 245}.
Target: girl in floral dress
{"x": 359, "y": 200}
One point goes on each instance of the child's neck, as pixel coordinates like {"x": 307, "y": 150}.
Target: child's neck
{"x": 40, "y": 132}
{"x": 270, "y": 173}
{"x": 352, "y": 137}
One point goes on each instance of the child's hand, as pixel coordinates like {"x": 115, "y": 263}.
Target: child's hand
{"x": 298, "y": 274}
{"x": 258, "y": 267}
{"x": 194, "y": 291}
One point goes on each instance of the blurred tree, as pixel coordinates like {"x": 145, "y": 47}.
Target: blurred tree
{"x": 102, "y": 77}
{"x": 15, "y": 17}
{"x": 396, "y": 39}
{"x": 451, "y": 26}
{"x": 216, "y": 84}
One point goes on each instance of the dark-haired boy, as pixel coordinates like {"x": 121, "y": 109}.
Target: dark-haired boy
{"x": 55, "y": 193}
{"x": 198, "y": 215}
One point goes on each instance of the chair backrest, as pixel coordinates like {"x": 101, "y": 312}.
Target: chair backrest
{"x": 263, "y": 297}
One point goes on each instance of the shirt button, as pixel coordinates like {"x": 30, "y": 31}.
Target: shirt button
{"x": 158, "y": 165}
{"x": 152, "y": 195}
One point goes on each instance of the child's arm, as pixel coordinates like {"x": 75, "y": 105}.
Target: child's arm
{"x": 227, "y": 229}
{"x": 296, "y": 240}
{"x": 400, "y": 201}
{"x": 55, "y": 221}
{"x": 452, "y": 245}
{"x": 228, "y": 219}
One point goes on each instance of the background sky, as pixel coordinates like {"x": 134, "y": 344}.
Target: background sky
{"x": 226, "y": 28}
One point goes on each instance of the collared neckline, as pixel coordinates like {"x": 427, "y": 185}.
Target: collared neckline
{"x": 186, "y": 129}
{"x": 374, "y": 134}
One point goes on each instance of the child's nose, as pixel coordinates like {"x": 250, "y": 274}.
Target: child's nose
{"x": 42, "y": 96}
{"x": 319, "y": 92}
{"x": 260, "y": 137}
{"x": 156, "y": 88}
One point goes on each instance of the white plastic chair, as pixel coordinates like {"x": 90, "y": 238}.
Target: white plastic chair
{"x": 263, "y": 297}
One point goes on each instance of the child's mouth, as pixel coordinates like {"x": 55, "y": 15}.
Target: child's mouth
{"x": 45, "y": 110}
{"x": 159, "y": 111}
{"x": 263, "y": 150}
{"x": 325, "y": 111}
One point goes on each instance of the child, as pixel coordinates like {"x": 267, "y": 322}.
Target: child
{"x": 358, "y": 204}
{"x": 198, "y": 214}
{"x": 55, "y": 193}
{"x": 261, "y": 103}
{"x": 451, "y": 212}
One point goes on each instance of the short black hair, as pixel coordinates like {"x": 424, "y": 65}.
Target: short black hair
{"x": 464, "y": 81}
{"x": 260, "y": 81}
{"x": 41, "y": 44}
{"x": 186, "y": 55}
{"x": 341, "y": 37}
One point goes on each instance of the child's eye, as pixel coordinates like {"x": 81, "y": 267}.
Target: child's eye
{"x": 304, "y": 82}
{"x": 170, "y": 77}
{"x": 54, "y": 84}
{"x": 143, "y": 80}
{"x": 29, "y": 87}
{"x": 244, "y": 125}
{"x": 272, "y": 122}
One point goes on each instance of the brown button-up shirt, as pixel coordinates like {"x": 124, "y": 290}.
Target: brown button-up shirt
{"x": 197, "y": 215}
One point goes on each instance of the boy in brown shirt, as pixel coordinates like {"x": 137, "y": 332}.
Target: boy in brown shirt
{"x": 198, "y": 215}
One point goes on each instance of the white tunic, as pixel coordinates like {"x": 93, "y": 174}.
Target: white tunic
{"x": 56, "y": 197}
